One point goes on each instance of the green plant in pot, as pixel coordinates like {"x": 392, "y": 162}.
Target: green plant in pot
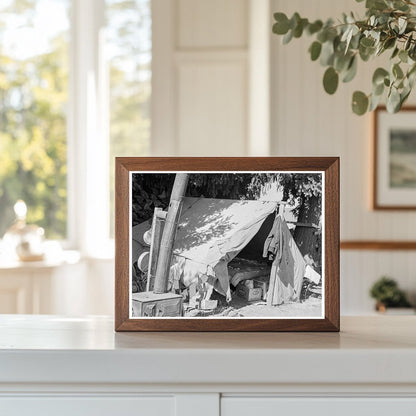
{"x": 389, "y": 27}
{"x": 387, "y": 294}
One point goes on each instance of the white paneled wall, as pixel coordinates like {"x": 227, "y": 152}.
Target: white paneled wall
{"x": 204, "y": 73}
{"x": 223, "y": 85}
{"x": 212, "y": 24}
{"x": 305, "y": 121}
{"x": 359, "y": 270}
{"x": 218, "y": 124}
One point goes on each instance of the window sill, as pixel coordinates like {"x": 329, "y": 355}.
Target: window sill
{"x": 50, "y": 261}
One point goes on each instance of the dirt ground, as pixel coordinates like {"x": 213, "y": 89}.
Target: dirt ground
{"x": 311, "y": 307}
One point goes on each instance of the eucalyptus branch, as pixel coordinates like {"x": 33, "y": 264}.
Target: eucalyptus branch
{"x": 389, "y": 25}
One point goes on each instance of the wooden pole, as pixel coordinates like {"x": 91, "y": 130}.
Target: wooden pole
{"x": 169, "y": 231}
{"x": 154, "y": 248}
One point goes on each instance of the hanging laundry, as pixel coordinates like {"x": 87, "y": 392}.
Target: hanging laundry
{"x": 288, "y": 267}
{"x": 273, "y": 243}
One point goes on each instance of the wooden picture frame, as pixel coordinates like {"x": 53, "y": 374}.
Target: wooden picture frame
{"x": 391, "y": 174}
{"x": 326, "y": 167}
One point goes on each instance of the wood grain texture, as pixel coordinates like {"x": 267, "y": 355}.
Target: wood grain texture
{"x": 376, "y": 205}
{"x": 329, "y": 165}
{"x": 122, "y": 247}
{"x": 378, "y": 245}
{"x": 331, "y": 247}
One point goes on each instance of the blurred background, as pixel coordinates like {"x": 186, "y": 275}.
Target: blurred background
{"x": 83, "y": 81}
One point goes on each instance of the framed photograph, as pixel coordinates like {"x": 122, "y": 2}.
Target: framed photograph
{"x": 227, "y": 244}
{"x": 394, "y": 179}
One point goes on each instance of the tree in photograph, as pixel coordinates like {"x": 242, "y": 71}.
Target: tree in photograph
{"x": 305, "y": 191}
{"x": 299, "y": 189}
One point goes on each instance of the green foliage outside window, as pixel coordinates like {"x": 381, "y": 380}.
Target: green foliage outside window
{"x": 34, "y": 84}
{"x": 33, "y": 100}
{"x": 129, "y": 40}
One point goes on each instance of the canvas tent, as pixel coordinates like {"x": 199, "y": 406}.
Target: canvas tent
{"x": 212, "y": 232}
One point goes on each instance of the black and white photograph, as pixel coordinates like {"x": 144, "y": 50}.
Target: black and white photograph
{"x": 227, "y": 245}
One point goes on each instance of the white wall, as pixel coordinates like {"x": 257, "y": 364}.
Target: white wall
{"x": 86, "y": 288}
{"x": 200, "y": 77}
{"x": 308, "y": 122}
{"x": 213, "y": 84}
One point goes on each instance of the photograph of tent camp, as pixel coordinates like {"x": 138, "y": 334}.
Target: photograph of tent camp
{"x": 226, "y": 245}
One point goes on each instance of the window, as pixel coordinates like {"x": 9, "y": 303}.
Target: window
{"x": 33, "y": 102}
{"x": 75, "y": 87}
{"x": 129, "y": 46}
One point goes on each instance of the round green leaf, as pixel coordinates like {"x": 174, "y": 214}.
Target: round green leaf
{"x": 379, "y": 75}
{"x": 281, "y": 27}
{"x": 315, "y": 50}
{"x": 327, "y": 54}
{"x": 378, "y": 89}
{"x": 297, "y": 31}
{"x": 322, "y": 36}
{"x": 300, "y": 25}
{"x": 314, "y": 27}
{"x": 366, "y": 53}
{"x": 393, "y": 101}
{"x": 397, "y": 71}
{"x": 359, "y": 103}
{"x": 351, "y": 71}
{"x": 389, "y": 43}
{"x": 403, "y": 56}
{"x": 374, "y": 102}
{"x": 404, "y": 95}
{"x": 376, "y": 4}
{"x": 367, "y": 42}
{"x": 294, "y": 20}
{"x": 330, "y": 80}
{"x": 288, "y": 37}
{"x": 395, "y": 52}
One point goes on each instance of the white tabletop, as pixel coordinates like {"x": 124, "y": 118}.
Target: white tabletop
{"x": 376, "y": 349}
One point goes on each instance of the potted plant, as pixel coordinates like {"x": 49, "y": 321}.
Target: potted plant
{"x": 387, "y": 294}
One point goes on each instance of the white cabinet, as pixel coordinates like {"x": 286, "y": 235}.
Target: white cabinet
{"x": 41, "y": 287}
{"x": 80, "y": 366}
{"x": 26, "y": 290}
{"x": 67, "y": 285}
{"x": 88, "y": 406}
{"x": 272, "y": 406}
{"x": 203, "y": 405}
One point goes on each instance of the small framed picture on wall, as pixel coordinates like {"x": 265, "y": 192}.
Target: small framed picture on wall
{"x": 394, "y": 159}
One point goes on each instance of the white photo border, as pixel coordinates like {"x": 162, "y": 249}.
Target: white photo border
{"x": 323, "y": 252}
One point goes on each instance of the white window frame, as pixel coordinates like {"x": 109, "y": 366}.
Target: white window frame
{"x": 88, "y": 185}
{"x": 88, "y": 137}
{"x": 88, "y": 181}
